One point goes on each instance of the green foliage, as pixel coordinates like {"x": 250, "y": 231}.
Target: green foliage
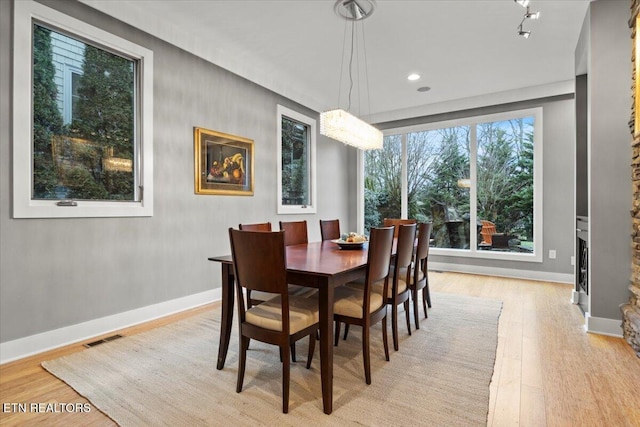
{"x": 436, "y": 162}
{"x": 104, "y": 115}
{"x": 83, "y": 186}
{"x": 47, "y": 120}
{"x": 103, "y": 125}
{"x": 451, "y": 164}
{"x": 294, "y": 162}
{"x": 372, "y": 217}
{"x": 104, "y": 112}
{"x": 382, "y": 181}
{"x": 505, "y": 177}
{"x": 118, "y": 185}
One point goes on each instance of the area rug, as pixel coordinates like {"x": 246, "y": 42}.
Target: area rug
{"x": 167, "y": 376}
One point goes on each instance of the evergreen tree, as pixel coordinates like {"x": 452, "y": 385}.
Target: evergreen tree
{"x": 505, "y": 176}
{"x": 104, "y": 116}
{"x": 47, "y": 120}
{"x": 382, "y": 169}
{"x": 294, "y": 162}
{"x": 518, "y": 206}
{"x": 451, "y": 165}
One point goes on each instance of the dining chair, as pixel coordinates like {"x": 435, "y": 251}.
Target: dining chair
{"x": 398, "y": 291}
{"x": 259, "y": 260}
{"x": 363, "y": 307}
{"x": 261, "y": 226}
{"x": 254, "y": 298}
{"x": 330, "y": 229}
{"x": 419, "y": 277}
{"x": 395, "y": 222}
{"x": 400, "y": 273}
{"x": 295, "y": 232}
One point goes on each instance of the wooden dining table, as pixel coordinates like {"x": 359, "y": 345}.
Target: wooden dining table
{"x": 320, "y": 265}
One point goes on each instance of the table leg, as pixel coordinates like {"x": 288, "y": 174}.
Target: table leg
{"x": 227, "y": 314}
{"x": 326, "y": 345}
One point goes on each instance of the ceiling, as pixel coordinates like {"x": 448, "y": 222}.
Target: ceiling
{"x": 463, "y": 49}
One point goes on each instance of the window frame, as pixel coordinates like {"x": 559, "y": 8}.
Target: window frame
{"x": 26, "y": 13}
{"x": 69, "y": 71}
{"x": 473, "y": 251}
{"x": 310, "y": 208}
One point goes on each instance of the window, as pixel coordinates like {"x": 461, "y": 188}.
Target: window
{"x": 474, "y": 179}
{"x": 83, "y": 119}
{"x": 72, "y": 80}
{"x": 382, "y": 183}
{"x": 296, "y": 162}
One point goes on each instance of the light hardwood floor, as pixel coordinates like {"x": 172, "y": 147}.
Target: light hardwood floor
{"x": 548, "y": 372}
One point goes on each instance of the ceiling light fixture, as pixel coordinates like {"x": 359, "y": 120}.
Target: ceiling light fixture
{"x": 527, "y": 15}
{"x": 413, "y": 77}
{"x": 525, "y": 34}
{"x": 339, "y": 124}
{"x": 532, "y": 15}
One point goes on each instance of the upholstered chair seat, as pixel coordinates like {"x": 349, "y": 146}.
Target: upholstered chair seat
{"x": 378, "y": 287}
{"x": 303, "y": 312}
{"x": 349, "y": 301}
{"x": 362, "y": 307}
{"x": 403, "y": 273}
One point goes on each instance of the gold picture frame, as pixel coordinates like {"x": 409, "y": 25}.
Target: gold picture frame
{"x": 223, "y": 163}
{"x": 636, "y": 46}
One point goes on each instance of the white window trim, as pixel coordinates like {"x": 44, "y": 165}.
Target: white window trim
{"x": 69, "y": 70}
{"x": 473, "y": 252}
{"x": 23, "y": 205}
{"x": 297, "y": 209}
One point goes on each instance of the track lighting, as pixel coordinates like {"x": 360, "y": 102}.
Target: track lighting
{"x": 532, "y": 15}
{"x": 523, "y": 33}
{"x": 528, "y": 15}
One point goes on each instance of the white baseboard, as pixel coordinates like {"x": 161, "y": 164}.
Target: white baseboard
{"x": 575, "y": 297}
{"x": 33, "y": 344}
{"x": 603, "y": 326}
{"x": 503, "y": 272}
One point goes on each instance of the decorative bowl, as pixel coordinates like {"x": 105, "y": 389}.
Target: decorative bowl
{"x": 348, "y": 245}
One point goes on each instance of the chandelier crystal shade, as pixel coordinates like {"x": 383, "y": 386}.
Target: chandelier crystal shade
{"x": 344, "y": 127}
{"x": 340, "y": 124}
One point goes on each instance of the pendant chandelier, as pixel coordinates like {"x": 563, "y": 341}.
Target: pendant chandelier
{"x": 340, "y": 124}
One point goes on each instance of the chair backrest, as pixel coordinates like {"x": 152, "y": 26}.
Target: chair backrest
{"x": 379, "y": 258}
{"x": 295, "y": 232}
{"x": 422, "y": 250}
{"x": 260, "y": 264}
{"x": 259, "y": 259}
{"x": 263, "y": 226}
{"x": 388, "y": 222}
{"x": 404, "y": 250}
{"x": 330, "y": 229}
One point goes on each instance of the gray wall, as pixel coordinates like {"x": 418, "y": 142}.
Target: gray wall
{"x": 60, "y": 272}
{"x": 558, "y": 171}
{"x": 609, "y": 68}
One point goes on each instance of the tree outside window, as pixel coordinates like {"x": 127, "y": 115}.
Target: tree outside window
{"x": 440, "y": 183}
{"x": 92, "y": 157}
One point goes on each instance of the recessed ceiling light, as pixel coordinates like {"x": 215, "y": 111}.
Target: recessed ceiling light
{"x": 424, "y": 89}
{"x": 413, "y": 77}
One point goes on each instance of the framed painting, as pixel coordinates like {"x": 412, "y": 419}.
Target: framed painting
{"x": 223, "y": 163}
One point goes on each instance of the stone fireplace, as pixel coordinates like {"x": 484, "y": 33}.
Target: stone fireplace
{"x": 631, "y": 310}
